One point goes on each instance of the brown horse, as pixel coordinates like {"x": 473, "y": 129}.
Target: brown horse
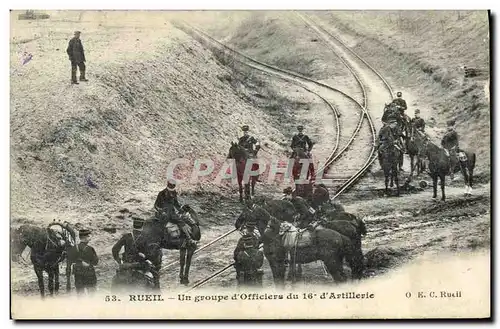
{"x": 328, "y": 246}
{"x": 154, "y": 238}
{"x": 442, "y": 164}
{"x": 389, "y": 158}
{"x": 241, "y": 156}
{"x": 415, "y": 145}
{"x": 303, "y": 185}
{"x": 48, "y": 249}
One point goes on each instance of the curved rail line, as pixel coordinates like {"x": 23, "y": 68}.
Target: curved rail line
{"x": 332, "y": 153}
{"x": 333, "y": 156}
{"x": 310, "y": 22}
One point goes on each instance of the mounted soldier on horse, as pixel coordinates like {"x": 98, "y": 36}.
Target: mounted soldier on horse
{"x": 246, "y": 148}
{"x": 389, "y": 154}
{"x": 168, "y": 210}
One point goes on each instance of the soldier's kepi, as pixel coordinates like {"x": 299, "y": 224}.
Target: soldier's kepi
{"x": 167, "y": 207}
{"x": 247, "y": 142}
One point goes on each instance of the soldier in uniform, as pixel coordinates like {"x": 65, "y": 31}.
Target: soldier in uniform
{"x": 450, "y": 143}
{"x": 166, "y": 205}
{"x": 77, "y": 57}
{"x": 247, "y": 142}
{"x": 128, "y": 242}
{"x": 399, "y": 101}
{"x": 301, "y": 141}
{"x": 248, "y": 257}
{"x": 83, "y": 258}
{"x": 417, "y": 122}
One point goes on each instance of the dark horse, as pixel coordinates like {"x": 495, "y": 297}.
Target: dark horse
{"x": 303, "y": 185}
{"x": 442, "y": 164}
{"x": 389, "y": 155}
{"x": 48, "y": 249}
{"x": 155, "y": 237}
{"x": 392, "y": 112}
{"x": 240, "y": 155}
{"x": 329, "y": 246}
{"x": 415, "y": 149}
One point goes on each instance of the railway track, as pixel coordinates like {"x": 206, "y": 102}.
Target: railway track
{"x": 365, "y": 124}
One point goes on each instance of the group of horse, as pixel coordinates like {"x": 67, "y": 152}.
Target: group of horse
{"x": 247, "y": 183}
{"x": 425, "y": 157}
{"x": 49, "y": 248}
{"x": 334, "y": 236}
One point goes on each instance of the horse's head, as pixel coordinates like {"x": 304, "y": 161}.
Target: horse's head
{"x": 17, "y": 242}
{"x": 236, "y": 152}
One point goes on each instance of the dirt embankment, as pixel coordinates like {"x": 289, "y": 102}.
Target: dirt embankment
{"x": 155, "y": 94}
{"x": 427, "y": 51}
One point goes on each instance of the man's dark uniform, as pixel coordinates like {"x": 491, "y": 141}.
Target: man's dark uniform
{"x": 77, "y": 57}
{"x": 166, "y": 205}
{"x": 301, "y": 141}
{"x": 85, "y": 276}
{"x": 418, "y": 123}
{"x": 248, "y": 258}
{"x": 128, "y": 242}
{"x": 400, "y": 102}
{"x": 247, "y": 142}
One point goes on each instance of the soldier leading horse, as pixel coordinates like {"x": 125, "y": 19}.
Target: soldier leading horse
{"x": 48, "y": 249}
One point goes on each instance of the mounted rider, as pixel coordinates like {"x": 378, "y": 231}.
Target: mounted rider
{"x": 450, "y": 144}
{"x": 247, "y": 142}
{"x": 168, "y": 208}
{"x": 301, "y": 141}
{"x": 388, "y": 136}
{"x": 417, "y": 122}
{"x": 403, "y": 120}
{"x": 248, "y": 257}
{"x": 400, "y": 102}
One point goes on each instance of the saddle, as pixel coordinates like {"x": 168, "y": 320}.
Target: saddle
{"x": 293, "y": 237}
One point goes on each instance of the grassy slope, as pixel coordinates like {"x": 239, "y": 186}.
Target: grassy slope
{"x": 277, "y": 38}
{"x": 141, "y": 109}
{"x": 427, "y": 50}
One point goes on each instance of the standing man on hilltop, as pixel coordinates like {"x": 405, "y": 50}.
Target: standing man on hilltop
{"x": 77, "y": 57}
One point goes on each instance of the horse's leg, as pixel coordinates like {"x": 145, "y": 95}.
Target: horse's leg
{"x": 434, "y": 185}
{"x": 396, "y": 178}
{"x": 442, "y": 180}
{"x": 157, "y": 268}
{"x": 240, "y": 185}
{"x": 189, "y": 257}
{"x": 50, "y": 284}
{"x": 392, "y": 179}
{"x": 386, "y": 184}
{"x": 182, "y": 261}
{"x": 68, "y": 275}
{"x": 39, "y": 275}
{"x": 335, "y": 267}
{"x": 412, "y": 164}
{"x": 247, "y": 191}
{"x": 56, "y": 279}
